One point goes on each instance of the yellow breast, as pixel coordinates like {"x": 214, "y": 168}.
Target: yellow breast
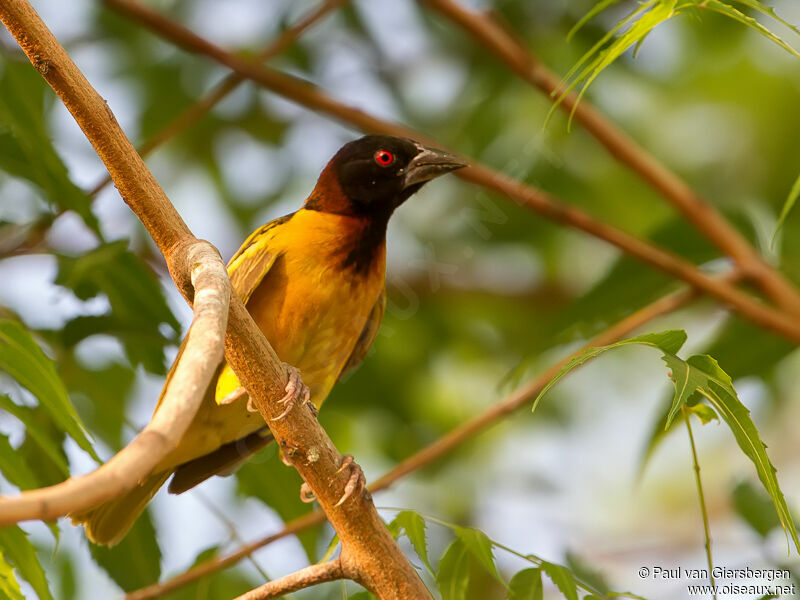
{"x": 314, "y": 302}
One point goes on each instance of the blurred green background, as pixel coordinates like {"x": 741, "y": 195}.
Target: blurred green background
{"x": 483, "y": 294}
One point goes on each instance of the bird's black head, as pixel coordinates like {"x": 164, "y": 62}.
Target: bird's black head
{"x": 373, "y": 175}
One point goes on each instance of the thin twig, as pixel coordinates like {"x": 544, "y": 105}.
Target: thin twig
{"x": 702, "y": 498}
{"x": 440, "y": 447}
{"x": 299, "y": 580}
{"x": 503, "y": 43}
{"x": 528, "y": 196}
{"x": 193, "y": 113}
{"x": 202, "y": 354}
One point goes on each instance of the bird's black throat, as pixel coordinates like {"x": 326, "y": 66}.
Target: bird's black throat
{"x": 366, "y": 248}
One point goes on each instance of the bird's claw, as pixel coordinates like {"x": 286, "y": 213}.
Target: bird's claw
{"x": 356, "y": 482}
{"x": 295, "y": 388}
{"x": 306, "y": 495}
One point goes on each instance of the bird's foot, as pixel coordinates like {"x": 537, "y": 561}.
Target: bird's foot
{"x": 295, "y": 389}
{"x": 357, "y": 481}
{"x": 355, "y": 484}
{"x": 306, "y": 495}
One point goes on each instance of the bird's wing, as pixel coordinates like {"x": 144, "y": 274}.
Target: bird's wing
{"x": 254, "y": 259}
{"x": 246, "y": 270}
{"x": 367, "y": 335}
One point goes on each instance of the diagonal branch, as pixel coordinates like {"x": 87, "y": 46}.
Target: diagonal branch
{"x": 529, "y": 196}
{"x": 299, "y": 580}
{"x": 496, "y": 38}
{"x": 369, "y": 554}
{"x": 440, "y": 447}
{"x": 201, "y": 356}
{"x": 193, "y": 113}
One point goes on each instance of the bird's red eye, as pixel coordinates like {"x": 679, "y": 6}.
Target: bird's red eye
{"x": 384, "y": 158}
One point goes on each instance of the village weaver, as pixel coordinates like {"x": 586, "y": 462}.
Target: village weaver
{"x": 313, "y": 280}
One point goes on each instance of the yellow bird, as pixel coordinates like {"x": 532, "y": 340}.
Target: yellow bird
{"x": 314, "y": 282}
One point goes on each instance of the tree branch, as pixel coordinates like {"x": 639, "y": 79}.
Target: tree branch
{"x": 202, "y": 354}
{"x": 299, "y": 580}
{"x": 440, "y": 447}
{"x": 369, "y": 554}
{"x": 499, "y": 40}
{"x": 194, "y": 112}
{"x": 528, "y": 196}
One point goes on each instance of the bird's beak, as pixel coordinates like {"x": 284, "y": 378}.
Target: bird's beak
{"x": 430, "y": 163}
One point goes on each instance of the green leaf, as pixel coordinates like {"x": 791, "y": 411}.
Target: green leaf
{"x": 9, "y": 586}
{"x": 755, "y": 508}
{"x": 768, "y": 10}
{"x": 414, "y": 527}
{"x": 705, "y": 413}
{"x": 14, "y": 468}
{"x": 587, "y": 574}
{"x": 642, "y": 21}
{"x": 593, "y": 12}
{"x": 700, "y": 375}
{"x": 526, "y": 585}
{"x": 788, "y": 205}
{"x": 480, "y": 546}
{"x": 562, "y": 578}
{"x": 26, "y": 150}
{"x": 35, "y": 430}
{"x": 136, "y": 561}
{"x": 22, "y": 358}
{"x": 19, "y": 551}
{"x": 736, "y": 15}
{"x": 668, "y": 342}
{"x": 453, "y": 576}
{"x": 138, "y": 306}
{"x": 716, "y": 386}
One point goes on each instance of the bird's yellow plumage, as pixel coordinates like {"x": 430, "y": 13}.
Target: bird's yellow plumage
{"x": 314, "y": 283}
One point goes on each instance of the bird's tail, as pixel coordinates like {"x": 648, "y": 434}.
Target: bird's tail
{"x": 108, "y": 523}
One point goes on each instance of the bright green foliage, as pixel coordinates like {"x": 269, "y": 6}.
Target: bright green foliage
{"x": 20, "y": 553}
{"x": 25, "y": 147}
{"x": 453, "y": 575}
{"x": 471, "y": 555}
{"x": 646, "y": 17}
{"x": 413, "y": 525}
{"x": 480, "y": 546}
{"x": 563, "y": 578}
{"x": 526, "y": 585}
{"x": 21, "y": 357}
{"x": 705, "y": 413}
{"x": 667, "y": 341}
{"x": 16, "y": 471}
{"x": 136, "y": 560}
{"x": 35, "y": 430}
{"x": 9, "y": 587}
{"x": 788, "y": 205}
{"x": 701, "y": 376}
{"x": 138, "y": 306}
